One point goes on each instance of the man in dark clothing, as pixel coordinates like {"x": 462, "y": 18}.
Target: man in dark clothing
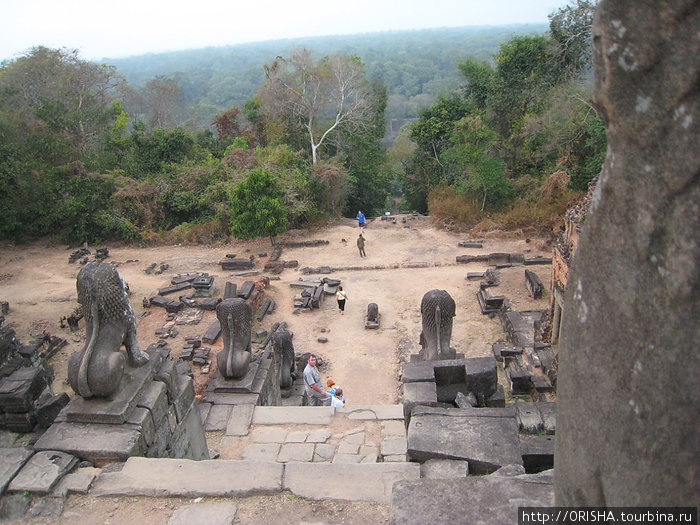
{"x": 361, "y": 245}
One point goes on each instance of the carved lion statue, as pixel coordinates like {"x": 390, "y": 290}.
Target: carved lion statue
{"x": 282, "y": 340}
{"x": 236, "y": 319}
{"x": 437, "y": 309}
{"x": 110, "y": 323}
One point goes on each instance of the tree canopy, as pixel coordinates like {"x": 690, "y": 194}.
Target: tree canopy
{"x": 323, "y": 96}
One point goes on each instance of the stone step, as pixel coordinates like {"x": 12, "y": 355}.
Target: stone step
{"x": 306, "y": 415}
{"x": 157, "y": 477}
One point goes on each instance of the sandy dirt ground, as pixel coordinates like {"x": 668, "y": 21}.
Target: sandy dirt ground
{"x": 39, "y": 284}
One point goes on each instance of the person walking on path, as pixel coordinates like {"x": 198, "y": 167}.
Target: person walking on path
{"x": 341, "y": 296}
{"x": 312, "y": 384}
{"x": 361, "y": 245}
{"x": 360, "y": 219}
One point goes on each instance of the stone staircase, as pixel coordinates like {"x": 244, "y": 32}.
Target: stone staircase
{"x": 305, "y": 450}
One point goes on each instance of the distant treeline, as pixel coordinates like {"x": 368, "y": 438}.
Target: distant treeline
{"x": 198, "y": 145}
{"x": 414, "y": 66}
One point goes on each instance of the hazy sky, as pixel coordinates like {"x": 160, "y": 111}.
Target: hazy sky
{"x": 103, "y": 28}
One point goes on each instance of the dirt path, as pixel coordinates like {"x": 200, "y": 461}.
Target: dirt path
{"x": 39, "y": 284}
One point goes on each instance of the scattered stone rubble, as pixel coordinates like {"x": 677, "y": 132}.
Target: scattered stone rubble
{"x": 27, "y": 401}
{"x": 83, "y": 253}
{"x": 501, "y": 446}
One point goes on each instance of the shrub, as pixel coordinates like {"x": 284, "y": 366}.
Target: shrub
{"x": 445, "y": 204}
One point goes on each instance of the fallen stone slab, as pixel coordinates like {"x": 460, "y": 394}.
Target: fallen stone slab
{"x": 21, "y": 388}
{"x": 158, "y": 477}
{"x": 94, "y": 442}
{"x": 538, "y": 260}
{"x": 533, "y": 284}
{"x": 42, "y": 471}
{"x": 212, "y": 333}
{"x": 169, "y": 304}
{"x": 174, "y": 288}
{"x": 246, "y": 289}
{"x": 246, "y": 273}
{"x": 185, "y": 278}
{"x": 11, "y": 461}
{"x": 276, "y": 415}
{"x": 299, "y": 244}
{"x": 360, "y": 482}
{"x": 230, "y": 263}
{"x": 487, "y": 443}
{"x": 485, "y": 499}
{"x": 205, "y": 513}
{"x": 230, "y": 291}
{"x": 321, "y": 269}
{"x": 305, "y": 284}
{"x": 465, "y": 259}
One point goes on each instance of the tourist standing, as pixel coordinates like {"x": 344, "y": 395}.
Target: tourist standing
{"x": 341, "y": 297}
{"x": 312, "y": 384}
{"x": 360, "y": 219}
{"x": 361, "y": 245}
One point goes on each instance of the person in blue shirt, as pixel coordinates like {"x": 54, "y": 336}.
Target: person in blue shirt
{"x": 361, "y": 219}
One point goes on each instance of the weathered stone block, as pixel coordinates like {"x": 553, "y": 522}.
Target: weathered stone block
{"x": 19, "y": 390}
{"x": 11, "y": 461}
{"x": 42, "y": 471}
{"x": 142, "y": 418}
{"x": 548, "y": 413}
{"x": 99, "y": 443}
{"x": 188, "y": 440}
{"x": 415, "y": 394}
{"x": 185, "y": 396}
{"x": 484, "y": 499}
{"x": 246, "y": 289}
{"x": 420, "y": 371}
{"x": 154, "y": 399}
{"x": 529, "y": 420}
{"x": 486, "y": 442}
{"x": 47, "y": 411}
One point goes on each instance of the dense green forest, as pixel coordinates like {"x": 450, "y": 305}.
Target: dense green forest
{"x": 415, "y": 66}
{"x": 185, "y": 147}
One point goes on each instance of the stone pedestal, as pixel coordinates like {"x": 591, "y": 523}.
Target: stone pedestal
{"x": 154, "y": 414}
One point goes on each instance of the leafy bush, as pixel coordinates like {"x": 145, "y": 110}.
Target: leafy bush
{"x": 257, "y": 208}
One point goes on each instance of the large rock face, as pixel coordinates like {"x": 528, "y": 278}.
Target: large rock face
{"x": 628, "y": 396}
